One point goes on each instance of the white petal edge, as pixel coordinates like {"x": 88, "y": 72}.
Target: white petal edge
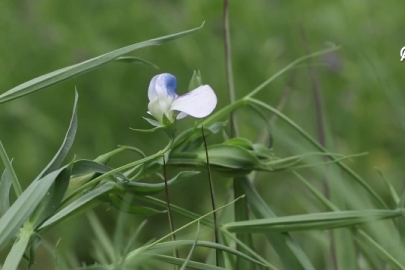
{"x": 181, "y": 115}
{"x": 152, "y": 90}
{"x": 198, "y": 103}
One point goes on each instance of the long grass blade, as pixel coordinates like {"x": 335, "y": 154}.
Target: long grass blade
{"x": 66, "y": 73}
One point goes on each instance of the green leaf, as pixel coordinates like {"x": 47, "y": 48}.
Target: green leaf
{"x": 317, "y": 221}
{"x": 230, "y": 157}
{"x": 176, "y": 209}
{"x": 149, "y": 189}
{"x": 86, "y": 166}
{"x": 66, "y": 145}
{"x": 190, "y": 265}
{"x": 126, "y": 206}
{"x": 24, "y": 206}
{"x": 53, "y": 197}
{"x": 5, "y": 186}
{"x": 242, "y": 214}
{"x": 17, "y": 251}
{"x": 88, "y": 65}
{"x": 104, "y": 242}
{"x": 152, "y": 122}
{"x": 291, "y": 254}
{"x": 315, "y": 143}
{"x": 135, "y": 60}
{"x": 190, "y": 253}
{"x": 181, "y": 243}
{"x": 9, "y": 168}
{"x": 191, "y": 139}
{"x": 195, "y": 81}
{"x": 378, "y": 249}
{"x": 35, "y": 242}
{"x": 88, "y": 200}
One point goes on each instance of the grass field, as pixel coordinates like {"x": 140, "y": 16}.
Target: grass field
{"x": 325, "y": 191}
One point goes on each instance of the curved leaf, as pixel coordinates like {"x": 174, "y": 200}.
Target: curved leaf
{"x": 63, "y": 74}
{"x": 24, "y": 206}
{"x": 88, "y": 200}
{"x": 66, "y": 145}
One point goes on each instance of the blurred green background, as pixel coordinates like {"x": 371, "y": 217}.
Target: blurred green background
{"x": 361, "y": 84}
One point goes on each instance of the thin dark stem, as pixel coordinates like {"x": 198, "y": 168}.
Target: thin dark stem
{"x": 320, "y": 132}
{"x": 241, "y": 208}
{"x": 169, "y": 211}
{"x": 228, "y": 66}
{"x": 317, "y": 102}
{"x": 212, "y": 193}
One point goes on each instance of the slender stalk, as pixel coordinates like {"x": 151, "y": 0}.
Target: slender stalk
{"x": 241, "y": 207}
{"x": 288, "y": 67}
{"x": 320, "y": 130}
{"x": 212, "y": 193}
{"x": 228, "y": 65}
{"x": 169, "y": 211}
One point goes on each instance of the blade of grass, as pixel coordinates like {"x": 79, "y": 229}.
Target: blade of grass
{"x": 304, "y": 134}
{"x": 372, "y": 245}
{"x": 66, "y": 73}
{"x": 25, "y": 205}
{"x": 191, "y": 264}
{"x": 10, "y": 170}
{"x": 187, "y": 260}
{"x": 17, "y": 251}
{"x": 66, "y": 145}
{"x": 225, "y": 248}
{"x": 5, "y": 186}
{"x": 313, "y": 221}
{"x": 104, "y": 241}
{"x": 291, "y": 254}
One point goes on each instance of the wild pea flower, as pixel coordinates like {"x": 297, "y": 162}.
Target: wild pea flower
{"x": 164, "y": 101}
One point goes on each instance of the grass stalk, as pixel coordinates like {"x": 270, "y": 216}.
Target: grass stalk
{"x": 169, "y": 211}
{"x": 218, "y": 256}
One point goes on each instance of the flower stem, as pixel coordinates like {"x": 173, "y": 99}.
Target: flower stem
{"x": 212, "y": 193}
{"x": 228, "y": 65}
{"x": 169, "y": 211}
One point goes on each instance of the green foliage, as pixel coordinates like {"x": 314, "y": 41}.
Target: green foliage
{"x": 286, "y": 192}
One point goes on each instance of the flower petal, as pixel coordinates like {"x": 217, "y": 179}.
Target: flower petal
{"x": 198, "y": 103}
{"x": 163, "y": 85}
{"x": 151, "y": 90}
{"x": 181, "y": 115}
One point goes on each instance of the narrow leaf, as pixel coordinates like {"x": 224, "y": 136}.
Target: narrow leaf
{"x": 9, "y": 168}
{"x": 17, "y": 251}
{"x": 317, "y": 221}
{"x": 190, "y": 265}
{"x": 88, "y": 200}
{"x": 77, "y": 69}
{"x": 5, "y": 186}
{"x": 135, "y": 60}
{"x": 67, "y": 143}
{"x": 207, "y": 244}
{"x": 23, "y": 207}
{"x": 126, "y": 206}
{"x": 291, "y": 254}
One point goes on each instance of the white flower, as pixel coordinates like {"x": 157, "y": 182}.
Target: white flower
{"x": 164, "y": 101}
